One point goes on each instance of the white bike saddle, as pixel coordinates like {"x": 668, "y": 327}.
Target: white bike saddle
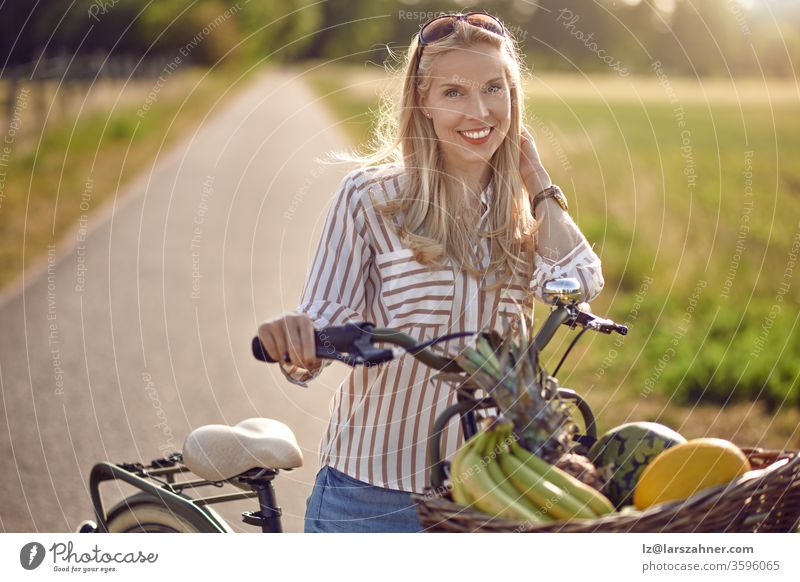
{"x": 217, "y": 452}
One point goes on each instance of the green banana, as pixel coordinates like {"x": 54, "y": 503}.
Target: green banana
{"x": 488, "y": 496}
{"x": 490, "y": 455}
{"x": 551, "y": 499}
{"x": 587, "y": 495}
{"x": 459, "y": 490}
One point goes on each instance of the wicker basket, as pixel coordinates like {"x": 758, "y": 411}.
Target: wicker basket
{"x": 768, "y": 502}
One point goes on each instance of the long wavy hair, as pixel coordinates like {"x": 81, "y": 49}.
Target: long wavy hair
{"x": 430, "y": 224}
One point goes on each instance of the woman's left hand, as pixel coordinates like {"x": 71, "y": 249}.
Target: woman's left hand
{"x": 534, "y": 176}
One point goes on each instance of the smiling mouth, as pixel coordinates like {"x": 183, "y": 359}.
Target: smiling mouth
{"x": 477, "y": 136}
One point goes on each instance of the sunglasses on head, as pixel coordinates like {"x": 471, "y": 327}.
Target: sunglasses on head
{"x": 443, "y": 26}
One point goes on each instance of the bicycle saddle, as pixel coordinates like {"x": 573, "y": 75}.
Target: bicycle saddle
{"x": 217, "y": 452}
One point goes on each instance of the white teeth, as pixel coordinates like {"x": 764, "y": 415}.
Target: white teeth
{"x": 477, "y": 134}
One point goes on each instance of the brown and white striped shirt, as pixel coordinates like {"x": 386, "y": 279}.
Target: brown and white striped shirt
{"x": 381, "y": 416}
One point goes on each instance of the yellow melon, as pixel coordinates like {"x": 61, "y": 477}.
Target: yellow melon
{"x": 684, "y": 469}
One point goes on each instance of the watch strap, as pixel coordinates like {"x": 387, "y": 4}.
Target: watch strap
{"x": 552, "y": 191}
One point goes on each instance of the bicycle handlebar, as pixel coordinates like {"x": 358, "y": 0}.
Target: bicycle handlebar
{"x": 353, "y": 343}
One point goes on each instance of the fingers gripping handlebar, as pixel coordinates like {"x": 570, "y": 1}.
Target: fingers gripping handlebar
{"x": 350, "y": 343}
{"x": 353, "y": 344}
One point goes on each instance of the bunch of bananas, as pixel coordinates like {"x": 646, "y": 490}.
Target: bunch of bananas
{"x": 495, "y": 475}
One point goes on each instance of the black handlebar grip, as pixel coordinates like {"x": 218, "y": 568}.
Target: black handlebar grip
{"x": 259, "y": 352}
{"x": 329, "y": 342}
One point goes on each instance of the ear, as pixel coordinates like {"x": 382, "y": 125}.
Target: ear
{"x": 422, "y": 103}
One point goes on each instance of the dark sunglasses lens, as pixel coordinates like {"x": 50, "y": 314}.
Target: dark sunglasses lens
{"x": 487, "y": 22}
{"x": 437, "y": 29}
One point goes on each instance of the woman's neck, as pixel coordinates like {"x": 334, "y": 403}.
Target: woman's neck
{"x": 470, "y": 181}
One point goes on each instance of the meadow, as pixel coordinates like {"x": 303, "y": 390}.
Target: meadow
{"x": 690, "y": 192}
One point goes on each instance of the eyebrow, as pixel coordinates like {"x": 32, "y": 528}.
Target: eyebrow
{"x": 454, "y": 84}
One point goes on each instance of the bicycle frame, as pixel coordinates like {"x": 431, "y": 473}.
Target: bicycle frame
{"x": 193, "y": 509}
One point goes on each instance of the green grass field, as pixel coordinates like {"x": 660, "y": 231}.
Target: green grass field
{"x": 691, "y": 194}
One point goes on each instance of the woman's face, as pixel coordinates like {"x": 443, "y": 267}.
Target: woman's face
{"x": 469, "y": 103}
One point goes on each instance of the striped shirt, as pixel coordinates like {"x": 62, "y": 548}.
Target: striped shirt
{"x": 382, "y": 416}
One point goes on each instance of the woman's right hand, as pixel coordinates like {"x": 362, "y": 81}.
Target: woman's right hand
{"x": 291, "y": 334}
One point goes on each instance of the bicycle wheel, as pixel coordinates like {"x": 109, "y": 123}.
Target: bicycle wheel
{"x": 144, "y": 513}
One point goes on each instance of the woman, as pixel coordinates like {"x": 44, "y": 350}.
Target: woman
{"x": 460, "y": 227}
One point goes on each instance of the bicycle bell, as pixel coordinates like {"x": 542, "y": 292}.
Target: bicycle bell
{"x": 567, "y": 289}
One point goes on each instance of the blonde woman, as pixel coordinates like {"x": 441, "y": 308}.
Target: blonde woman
{"x": 446, "y": 228}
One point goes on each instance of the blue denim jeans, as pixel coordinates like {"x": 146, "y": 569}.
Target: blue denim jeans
{"x": 339, "y": 503}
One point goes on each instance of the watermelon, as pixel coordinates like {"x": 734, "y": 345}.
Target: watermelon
{"x": 623, "y": 453}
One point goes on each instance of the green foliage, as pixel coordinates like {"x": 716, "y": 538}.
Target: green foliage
{"x": 701, "y": 37}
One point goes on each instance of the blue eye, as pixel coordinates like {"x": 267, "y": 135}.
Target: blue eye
{"x": 494, "y": 88}
{"x": 449, "y": 93}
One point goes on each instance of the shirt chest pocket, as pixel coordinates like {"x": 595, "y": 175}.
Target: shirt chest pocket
{"x": 412, "y": 293}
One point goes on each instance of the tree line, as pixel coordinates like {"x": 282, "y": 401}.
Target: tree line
{"x": 693, "y": 37}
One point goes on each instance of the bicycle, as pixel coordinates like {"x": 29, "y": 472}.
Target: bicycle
{"x": 164, "y": 504}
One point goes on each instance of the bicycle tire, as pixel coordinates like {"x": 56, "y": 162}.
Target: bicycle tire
{"x": 145, "y": 513}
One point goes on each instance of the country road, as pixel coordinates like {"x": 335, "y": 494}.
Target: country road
{"x": 136, "y": 328}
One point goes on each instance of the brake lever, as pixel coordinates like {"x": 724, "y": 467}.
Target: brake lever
{"x": 607, "y": 326}
{"x": 593, "y": 322}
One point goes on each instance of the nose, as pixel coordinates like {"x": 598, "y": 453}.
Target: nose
{"x": 478, "y": 107}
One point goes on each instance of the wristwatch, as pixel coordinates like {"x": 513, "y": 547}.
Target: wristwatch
{"x": 551, "y": 192}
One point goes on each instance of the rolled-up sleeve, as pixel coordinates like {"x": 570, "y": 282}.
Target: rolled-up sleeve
{"x": 334, "y": 291}
{"x": 563, "y": 251}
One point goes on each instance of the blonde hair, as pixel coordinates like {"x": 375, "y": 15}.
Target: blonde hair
{"x": 404, "y": 135}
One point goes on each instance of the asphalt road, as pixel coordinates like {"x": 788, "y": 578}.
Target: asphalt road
{"x": 137, "y": 327}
